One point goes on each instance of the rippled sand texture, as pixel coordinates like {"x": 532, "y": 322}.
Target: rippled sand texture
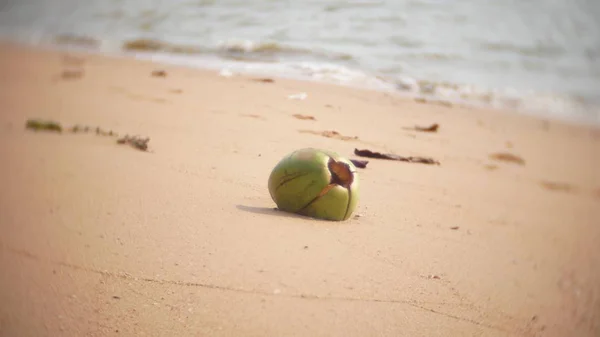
{"x": 99, "y": 238}
{"x": 537, "y": 56}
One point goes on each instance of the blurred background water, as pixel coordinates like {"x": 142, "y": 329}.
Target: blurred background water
{"x": 535, "y": 56}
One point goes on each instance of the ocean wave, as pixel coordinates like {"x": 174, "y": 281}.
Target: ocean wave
{"x": 405, "y": 42}
{"x": 275, "y": 48}
{"x": 532, "y": 50}
{"x": 352, "y": 4}
{"x": 559, "y": 106}
{"x": 433, "y": 56}
{"x": 245, "y": 56}
{"x": 248, "y": 46}
{"x": 77, "y": 40}
{"x": 242, "y": 50}
{"x": 154, "y": 45}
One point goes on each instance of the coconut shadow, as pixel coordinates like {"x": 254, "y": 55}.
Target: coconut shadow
{"x": 274, "y": 212}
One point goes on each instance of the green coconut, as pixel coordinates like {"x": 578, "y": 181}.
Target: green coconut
{"x": 315, "y": 183}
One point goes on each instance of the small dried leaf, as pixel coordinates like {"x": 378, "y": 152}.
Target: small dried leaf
{"x": 507, "y": 157}
{"x": 159, "y": 73}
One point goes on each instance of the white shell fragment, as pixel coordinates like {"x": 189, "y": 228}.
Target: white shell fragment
{"x": 225, "y": 72}
{"x": 300, "y": 96}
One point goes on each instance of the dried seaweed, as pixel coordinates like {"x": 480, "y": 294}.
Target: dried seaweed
{"x": 389, "y": 156}
{"x": 101, "y": 132}
{"x": 41, "y": 125}
{"x": 135, "y": 141}
{"x": 84, "y": 129}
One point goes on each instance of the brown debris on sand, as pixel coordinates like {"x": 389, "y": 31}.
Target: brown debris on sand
{"x": 431, "y": 128}
{"x": 507, "y": 157}
{"x": 389, "y": 156}
{"x": 135, "y": 141}
{"x": 264, "y": 80}
{"x": 159, "y": 73}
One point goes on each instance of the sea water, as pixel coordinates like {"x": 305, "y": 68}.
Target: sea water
{"x": 534, "y": 56}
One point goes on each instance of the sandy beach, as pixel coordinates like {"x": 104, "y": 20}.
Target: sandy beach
{"x": 101, "y": 239}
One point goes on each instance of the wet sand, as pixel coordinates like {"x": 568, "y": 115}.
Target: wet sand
{"x": 100, "y": 239}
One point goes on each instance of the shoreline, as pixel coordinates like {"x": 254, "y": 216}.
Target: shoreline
{"x": 100, "y": 238}
{"x": 241, "y": 69}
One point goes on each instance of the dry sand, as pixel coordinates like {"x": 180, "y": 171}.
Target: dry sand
{"x": 100, "y": 239}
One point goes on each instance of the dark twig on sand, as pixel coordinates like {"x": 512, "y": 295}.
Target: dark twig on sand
{"x": 388, "y": 156}
{"x": 431, "y": 128}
